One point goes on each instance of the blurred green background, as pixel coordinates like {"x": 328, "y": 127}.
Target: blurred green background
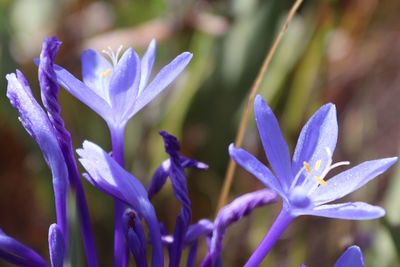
{"x": 344, "y": 51}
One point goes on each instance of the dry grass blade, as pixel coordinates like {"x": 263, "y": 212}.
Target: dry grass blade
{"x": 250, "y": 99}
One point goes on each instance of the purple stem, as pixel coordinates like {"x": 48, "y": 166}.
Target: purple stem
{"x": 86, "y": 228}
{"x": 121, "y": 252}
{"x": 191, "y": 260}
{"x": 274, "y": 233}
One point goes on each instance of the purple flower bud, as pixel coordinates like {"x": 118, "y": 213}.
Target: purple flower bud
{"x": 135, "y": 237}
{"x": 56, "y": 246}
{"x": 37, "y": 124}
{"x": 178, "y": 181}
{"x": 49, "y": 92}
{"x": 109, "y": 176}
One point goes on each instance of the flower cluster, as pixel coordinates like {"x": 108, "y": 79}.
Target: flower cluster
{"x": 116, "y": 86}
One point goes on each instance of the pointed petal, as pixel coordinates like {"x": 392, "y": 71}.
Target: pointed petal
{"x": 38, "y": 125}
{"x": 85, "y": 94}
{"x": 147, "y": 64}
{"x": 164, "y": 78}
{"x": 274, "y": 144}
{"x": 255, "y": 167}
{"x": 159, "y": 178}
{"x": 94, "y": 69}
{"x": 350, "y": 180}
{"x": 56, "y": 246}
{"x": 352, "y": 257}
{"x": 124, "y": 82}
{"x": 110, "y": 177}
{"x": 17, "y": 253}
{"x": 345, "y": 211}
{"x": 319, "y": 134}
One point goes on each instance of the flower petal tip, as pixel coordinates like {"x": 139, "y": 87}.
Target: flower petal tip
{"x": 381, "y": 213}
{"x": 231, "y": 148}
{"x": 393, "y": 159}
{"x": 153, "y": 43}
{"x": 202, "y": 166}
{"x": 187, "y": 56}
{"x": 261, "y": 108}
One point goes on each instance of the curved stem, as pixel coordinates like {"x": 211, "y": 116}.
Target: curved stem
{"x": 120, "y": 248}
{"x": 281, "y": 223}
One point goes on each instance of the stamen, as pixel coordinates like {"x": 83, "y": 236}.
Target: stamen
{"x": 320, "y": 181}
{"x": 113, "y": 56}
{"x": 337, "y": 164}
{"x": 118, "y": 51}
{"x": 318, "y": 164}
{"x": 307, "y": 167}
{"x": 105, "y": 73}
{"x": 296, "y": 178}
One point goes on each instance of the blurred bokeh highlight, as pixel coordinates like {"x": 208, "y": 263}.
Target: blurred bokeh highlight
{"x": 341, "y": 51}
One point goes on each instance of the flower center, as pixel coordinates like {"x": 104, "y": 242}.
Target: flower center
{"x": 299, "y": 198}
{"x": 320, "y": 180}
{"x": 114, "y": 57}
{"x": 315, "y": 172}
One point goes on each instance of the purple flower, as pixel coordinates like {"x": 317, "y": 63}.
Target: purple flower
{"x": 301, "y": 181}
{"x": 56, "y": 246}
{"x": 38, "y": 125}
{"x": 108, "y": 176}
{"x": 352, "y": 257}
{"x": 117, "y": 87}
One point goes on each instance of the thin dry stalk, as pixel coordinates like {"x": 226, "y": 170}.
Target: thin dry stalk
{"x": 250, "y": 99}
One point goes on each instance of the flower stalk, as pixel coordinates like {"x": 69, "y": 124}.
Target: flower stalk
{"x": 278, "y": 227}
{"x": 121, "y": 251}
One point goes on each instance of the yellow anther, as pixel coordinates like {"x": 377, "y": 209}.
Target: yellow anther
{"x": 320, "y": 181}
{"x": 307, "y": 167}
{"x": 105, "y": 73}
{"x": 318, "y": 164}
